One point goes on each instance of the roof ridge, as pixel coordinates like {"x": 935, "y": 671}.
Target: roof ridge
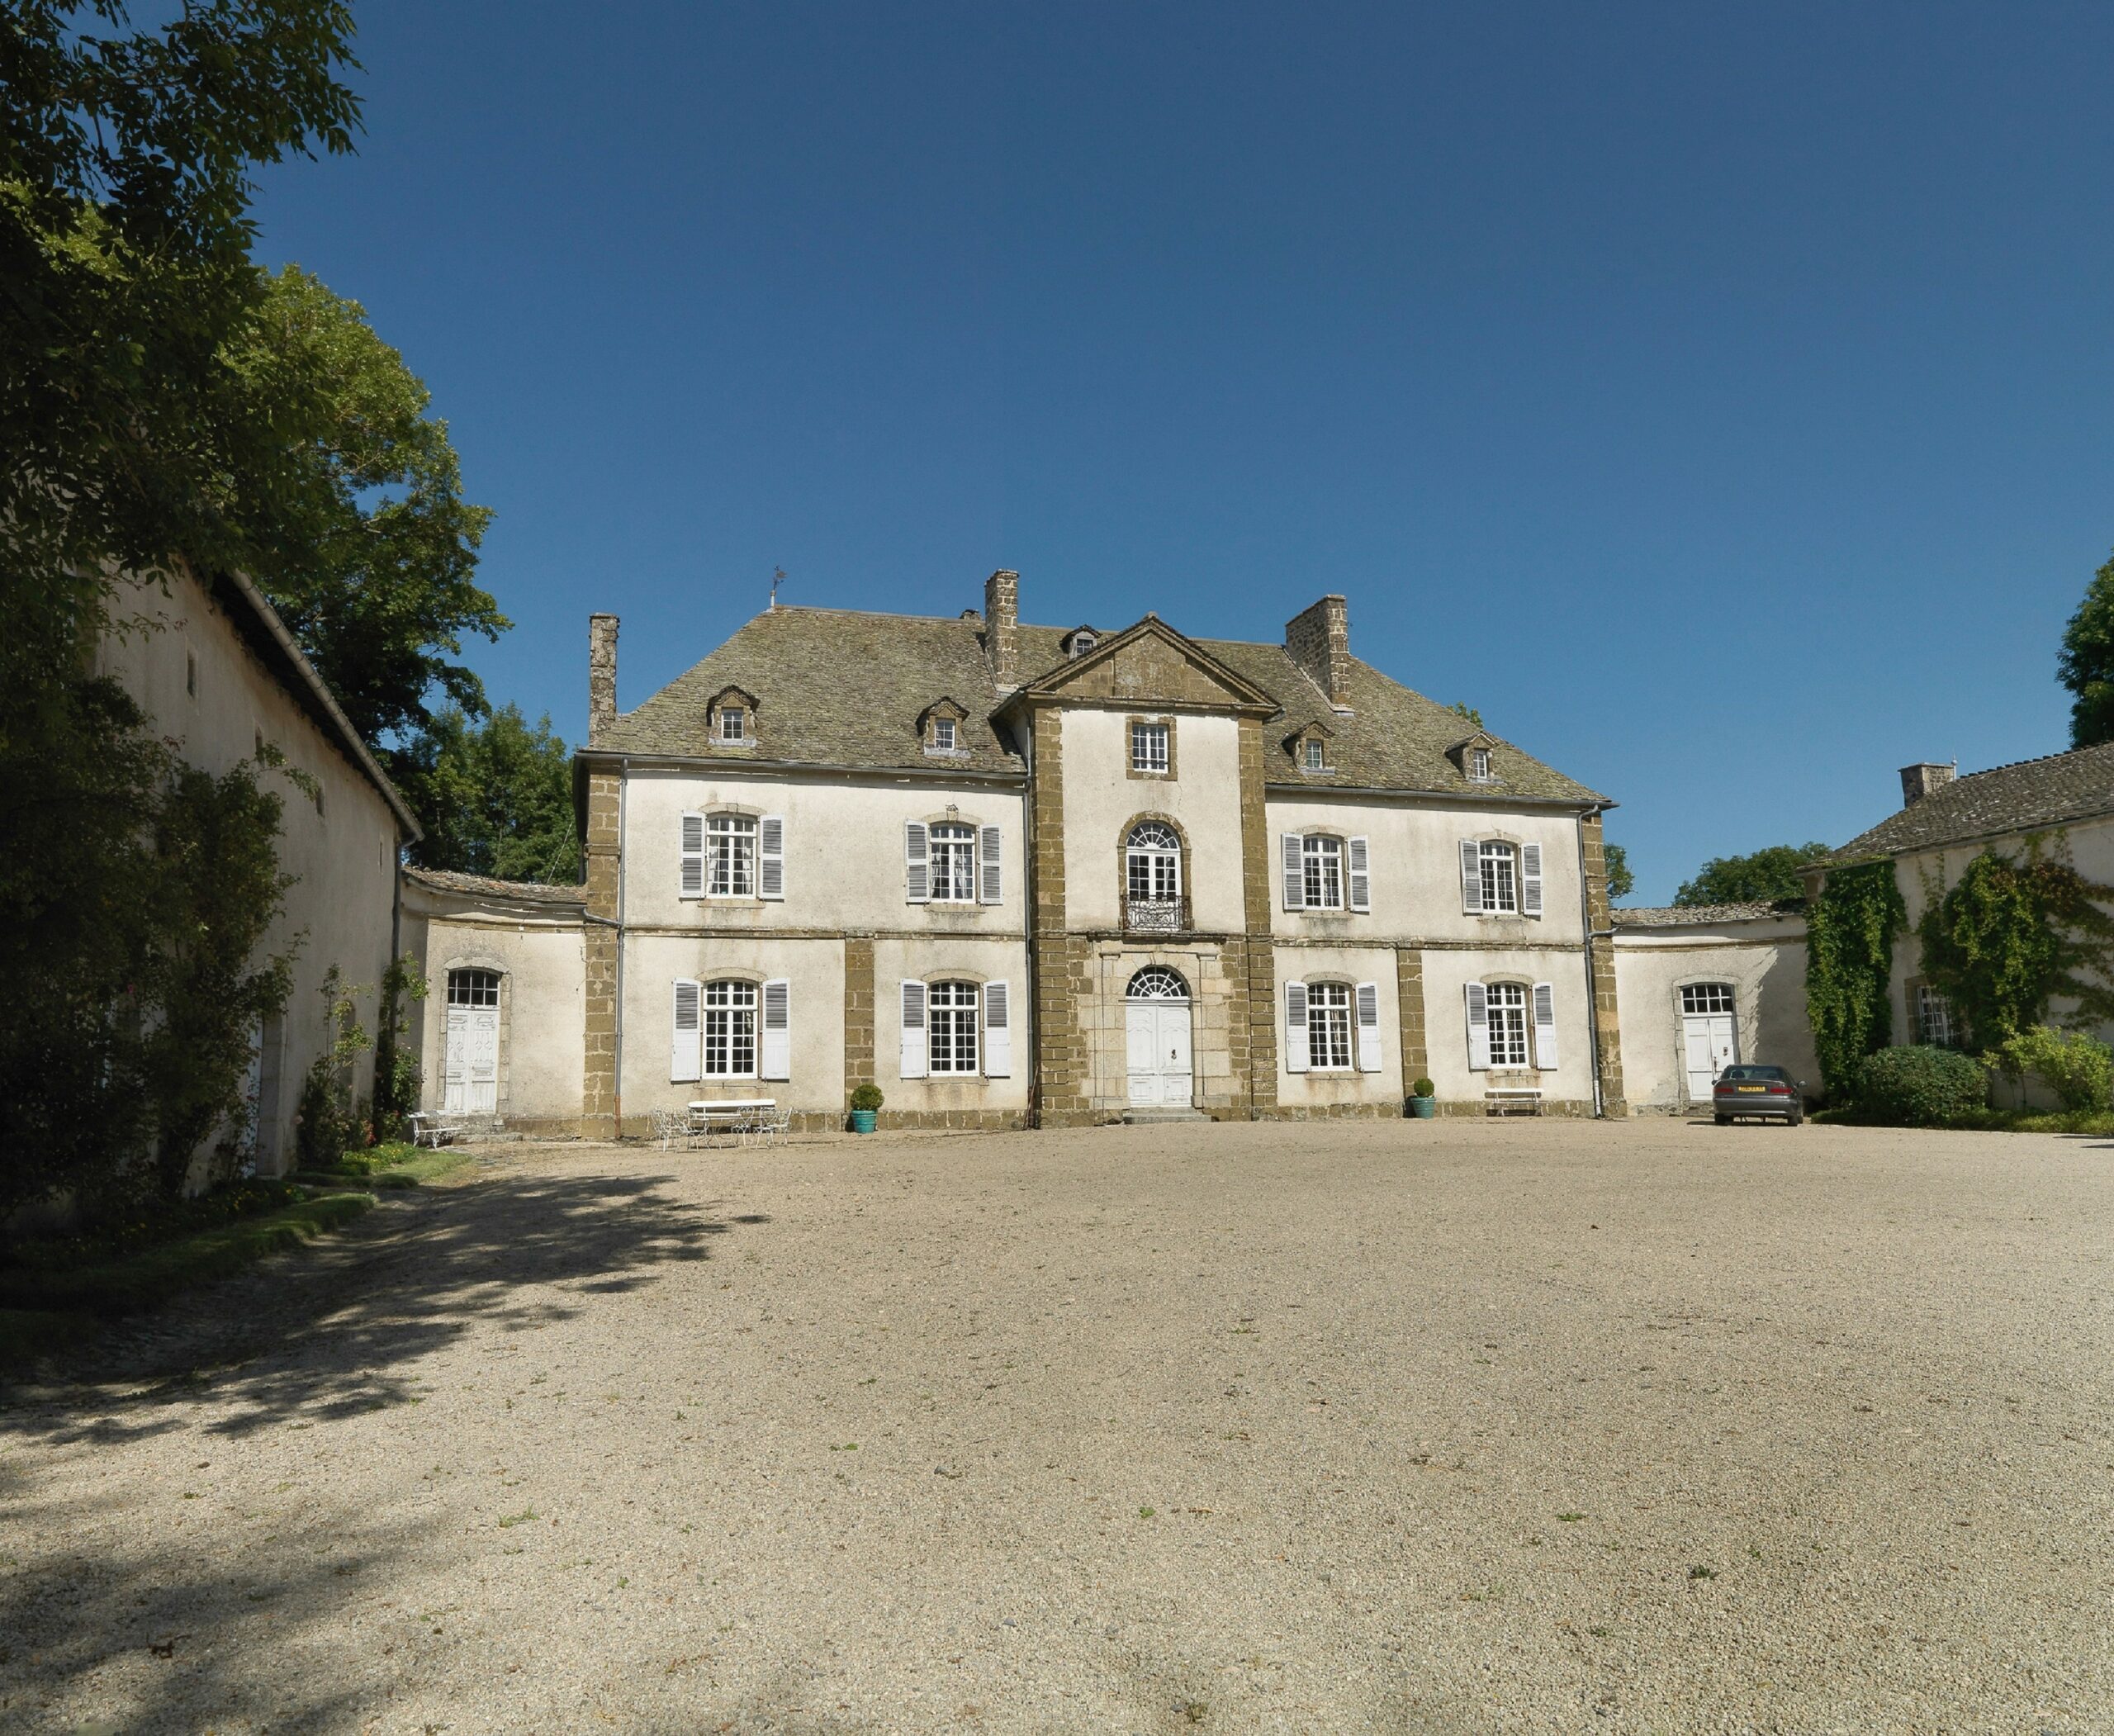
{"x": 2038, "y": 759}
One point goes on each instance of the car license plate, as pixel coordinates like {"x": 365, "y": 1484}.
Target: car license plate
{"x": 1751, "y": 1088}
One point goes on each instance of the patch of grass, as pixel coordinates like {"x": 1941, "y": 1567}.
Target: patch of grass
{"x": 1699, "y": 1572}
{"x": 401, "y": 1164}
{"x": 1569, "y": 1519}
{"x": 142, "y": 1280}
{"x": 510, "y": 1519}
{"x": 2097, "y": 1122}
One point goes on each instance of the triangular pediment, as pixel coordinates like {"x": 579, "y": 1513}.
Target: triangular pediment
{"x": 1151, "y": 664}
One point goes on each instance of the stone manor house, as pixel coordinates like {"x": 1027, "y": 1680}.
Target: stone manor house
{"x": 1021, "y": 875}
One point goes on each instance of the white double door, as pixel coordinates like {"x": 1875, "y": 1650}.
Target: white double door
{"x": 472, "y": 1060}
{"x": 1707, "y": 1040}
{"x": 1159, "y": 1042}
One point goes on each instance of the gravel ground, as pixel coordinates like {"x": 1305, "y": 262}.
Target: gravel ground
{"x": 1414, "y": 1427}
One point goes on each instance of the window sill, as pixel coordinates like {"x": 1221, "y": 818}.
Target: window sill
{"x": 946, "y": 753}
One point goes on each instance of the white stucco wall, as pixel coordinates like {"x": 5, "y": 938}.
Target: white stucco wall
{"x": 1764, "y": 960}
{"x": 899, "y": 958}
{"x": 1102, "y": 800}
{"x": 1447, "y": 974}
{"x": 540, "y": 955}
{"x": 1320, "y": 1090}
{"x": 342, "y": 856}
{"x": 844, "y": 851}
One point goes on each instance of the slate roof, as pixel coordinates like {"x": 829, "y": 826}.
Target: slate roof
{"x": 843, "y": 688}
{"x": 1687, "y": 916}
{"x": 479, "y": 885}
{"x": 2028, "y": 796}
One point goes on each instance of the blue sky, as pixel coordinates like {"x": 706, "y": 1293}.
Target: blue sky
{"x": 1717, "y": 397}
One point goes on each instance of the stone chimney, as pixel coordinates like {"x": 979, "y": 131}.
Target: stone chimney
{"x": 1319, "y": 640}
{"x": 601, "y": 677}
{"x": 1918, "y": 782}
{"x": 1002, "y": 626}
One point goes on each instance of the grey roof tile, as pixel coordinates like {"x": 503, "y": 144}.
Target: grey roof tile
{"x": 1685, "y": 916}
{"x": 481, "y": 885}
{"x": 2028, "y": 796}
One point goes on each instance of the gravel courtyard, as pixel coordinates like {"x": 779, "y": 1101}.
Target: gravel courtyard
{"x": 1423, "y": 1427}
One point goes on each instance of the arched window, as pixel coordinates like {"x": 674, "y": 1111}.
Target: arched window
{"x": 730, "y": 1030}
{"x": 473, "y": 988}
{"x": 1501, "y": 871}
{"x": 1707, "y": 998}
{"x": 950, "y": 1026}
{"x": 1152, "y": 879}
{"x": 1157, "y": 983}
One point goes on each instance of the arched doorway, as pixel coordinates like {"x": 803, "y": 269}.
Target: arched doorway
{"x": 1156, "y": 1021}
{"x": 470, "y": 1085}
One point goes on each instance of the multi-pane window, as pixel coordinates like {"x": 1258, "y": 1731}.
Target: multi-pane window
{"x": 943, "y": 734}
{"x": 1707, "y": 998}
{"x": 730, "y": 855}
{"x": 1316, "y": 759}
{"x": 733, "y": 724}
{"x": 730, "y": 1030}
{"x": 950, "y": 1026}
{"x": 1479, "y": 764}
{"x": 1154, "y": 861}
{"x": 1933, "y": 1017}
{"x": 1507, "y": 1025}
{"x": 1148, "y": 747}
{"x": 1321, "y": 864}
{"x": 1327, "y": 1025}
{"x": 1500, "y": 869}
{"x": 473, "y": 988}
{"x": 954, "y": 864}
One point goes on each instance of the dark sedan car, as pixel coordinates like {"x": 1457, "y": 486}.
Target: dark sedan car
{"x": 1764, "y": 1092}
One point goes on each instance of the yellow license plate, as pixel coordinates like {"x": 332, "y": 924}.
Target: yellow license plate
{"x": 1750, "y": 1088}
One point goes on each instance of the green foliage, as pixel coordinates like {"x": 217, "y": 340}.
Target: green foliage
{"x": 866, "y": 1097}
{"x": 2077, "y": 1067}
{"x": 2011, "y": 935}
{"x": 329, "y": 1125}
{"x": 1849, "y": 931}
{"x": 495, "y": 799}
{"x": 1921, "y": 1087}
{"x": 1621, "y": 882}
{"x": 1424, "y": 1087}
{"x": 217, "y": 888}
{"x": 397, "y": 1075}
{"x": 1461, "y": 708}
{"x": 1762, "y": 876}
{"x": 2086, "y": 663}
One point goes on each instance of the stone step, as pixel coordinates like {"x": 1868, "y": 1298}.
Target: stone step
{"x": 1147, "y": 1117}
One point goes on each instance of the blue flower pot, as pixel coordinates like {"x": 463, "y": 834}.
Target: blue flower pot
{"x": 1424, "y": 1108}
{"x": 863, "y": 1120}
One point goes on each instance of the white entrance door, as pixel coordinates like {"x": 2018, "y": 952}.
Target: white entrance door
{"x": 472, "y": 1060}
{"x": 1158, "y": 1033}
{"x": 1707, "y": 1039}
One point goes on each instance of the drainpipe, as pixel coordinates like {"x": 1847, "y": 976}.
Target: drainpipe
{"x": 1592, "y": 998}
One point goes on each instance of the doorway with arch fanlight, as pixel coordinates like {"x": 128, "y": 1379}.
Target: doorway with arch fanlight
{"x": 1157, "y": 1029}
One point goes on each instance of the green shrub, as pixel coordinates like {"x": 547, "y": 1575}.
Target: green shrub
{"x": 2078, "y": 1069}
{"x": 1424, "y": 1087}
{"x": 1921, "y": 1087}
{"x": 866, "y": 1097}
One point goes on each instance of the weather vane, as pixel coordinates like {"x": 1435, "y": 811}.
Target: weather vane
{"x": 777, "y": 579}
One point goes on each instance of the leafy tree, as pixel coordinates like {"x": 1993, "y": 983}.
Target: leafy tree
{"x": 1762, "y": 876}
{"x": 2086, "y": 663}
{"x": 1462, "y": 708}
{"x": 501, "y": 795}
{"x": 1850, "y": 933}
{"x": 1621, "y": 882}
{"x": 2011, "y": 934}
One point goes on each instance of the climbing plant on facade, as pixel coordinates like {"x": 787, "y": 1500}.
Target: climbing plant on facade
{"x": 1850, "y": 933}
{"x": 2014, "y": 933}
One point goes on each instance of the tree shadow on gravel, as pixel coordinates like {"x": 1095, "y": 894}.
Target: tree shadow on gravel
{"x": 338, "y": 1328}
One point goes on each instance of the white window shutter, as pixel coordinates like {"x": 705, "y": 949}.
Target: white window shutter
{"x": 775, "y": 1053}
{"x": 917, "y": 865}
{"x": 1296, "y": 1044}
{"x": 1367, "y": 998}
{"x": 1360, "y": 856}
{"x": 1295, "y": 871}
{"x": 998, "y": 1031}
{"x": 686, "y": 1050}
{"x": 693, "y": 856}
{"x": 916, "y": 1063}
{"x": 991, "y": 885}
{"x": 1530, "y": 880}
{"x": 1471, "y": 877}
{"x": 771, "y": 857}
{"x": 1545, "y": 1026}
{"x": 1478, "y": 1028}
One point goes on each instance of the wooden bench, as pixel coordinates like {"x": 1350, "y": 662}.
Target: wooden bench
{"x": 1514, "y": 1099}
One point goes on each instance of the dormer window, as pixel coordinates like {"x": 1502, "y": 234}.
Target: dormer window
{"x": 943, "y": 734}
{"x": 1475, "y": 757}
{"x": 1078, "y": 642}
{"x": 733, "y": 724}
{"x": 940, "y": 727}
{"x": 1479, "y": 764}
{"x": 733, "y": 719}
{"x": 1316, "y": 756}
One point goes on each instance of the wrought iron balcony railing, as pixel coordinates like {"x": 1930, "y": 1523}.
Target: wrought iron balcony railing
{"x": 1156, "y": 915}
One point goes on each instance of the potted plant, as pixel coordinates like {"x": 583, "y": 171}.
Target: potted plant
{"x": 865, "y": 1106}
{"x": 1424, "y": 1100}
